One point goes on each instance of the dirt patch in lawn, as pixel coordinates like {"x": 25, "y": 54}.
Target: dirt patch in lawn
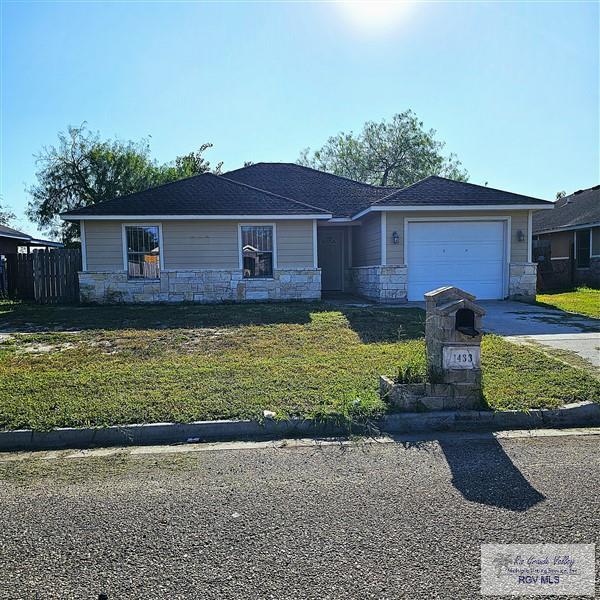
{"x": 206, "y": 362}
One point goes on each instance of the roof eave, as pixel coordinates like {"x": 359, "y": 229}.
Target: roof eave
{"x": 15, "y": 237}
{"x": 566, "y": 228}
{"x": 49, "y": 243}
{"x": 239, "y": 217}
{"x": 449, "y": 207}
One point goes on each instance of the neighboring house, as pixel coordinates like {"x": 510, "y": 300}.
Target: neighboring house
{"x": 11, "y": 240}
{"x": 567, "y": 241}
{"x": 281, "y": 231}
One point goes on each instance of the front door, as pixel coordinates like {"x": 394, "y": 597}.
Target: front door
{"x": 331, "y": 258}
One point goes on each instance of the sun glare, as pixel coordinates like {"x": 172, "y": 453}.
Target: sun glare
{"x": 374, "y": 14}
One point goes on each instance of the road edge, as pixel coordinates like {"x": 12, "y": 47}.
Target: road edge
{"x": 581, "y": 414}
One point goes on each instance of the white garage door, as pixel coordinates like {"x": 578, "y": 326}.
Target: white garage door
{"x": 467, "y": 254}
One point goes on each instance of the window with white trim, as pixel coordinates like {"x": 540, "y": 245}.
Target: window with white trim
{"x": 257, "y": 251}
{"x": 143, "y": 251}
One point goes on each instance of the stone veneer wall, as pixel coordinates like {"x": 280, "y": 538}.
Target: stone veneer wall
{"x": 203, "y": 285}
{"x": 522, "y": 281}
{"x": 380, "y": 283}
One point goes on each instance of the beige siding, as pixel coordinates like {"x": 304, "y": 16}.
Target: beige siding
{"x": 395, "y": 252}
{"x": 198, "y": 245}
{"x": 104, "y": 246}
{"x": 294, "y": 244}
{"x": 395, "y": 222}
{"x": 366, "y": 241}
{"x": 348, "y": 233}
{"x": 518, "y": 250}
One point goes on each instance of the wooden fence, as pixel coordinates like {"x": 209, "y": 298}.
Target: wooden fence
{"x": 19, "y": 276}
{"x": 46, "y": 276}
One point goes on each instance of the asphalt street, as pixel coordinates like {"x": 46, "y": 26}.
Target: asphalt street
{"x": 401, "y": 519}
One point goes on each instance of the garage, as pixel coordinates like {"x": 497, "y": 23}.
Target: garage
{"x": 467, "y": 254}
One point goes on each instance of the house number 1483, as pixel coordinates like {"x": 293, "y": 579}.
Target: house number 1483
{"x": 461, "y": 357}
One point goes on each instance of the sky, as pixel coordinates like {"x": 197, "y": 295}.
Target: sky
{"x": 511, "y": 87}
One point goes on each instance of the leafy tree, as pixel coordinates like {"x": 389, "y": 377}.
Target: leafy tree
{"x": 561, "y": 194}
{"x": 82, "y": 169}
{"x": 189, "y": 165}
{"x": 6, "y": 215}
{"x": 394, "y": 153}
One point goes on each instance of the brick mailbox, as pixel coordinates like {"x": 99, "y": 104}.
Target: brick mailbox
{"x": 453, "y": 340}
{"x": 453, "y": 336}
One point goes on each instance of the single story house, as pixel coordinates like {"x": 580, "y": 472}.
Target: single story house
{"x": 11, "y": 240}
{"x": 277, "y": 231}
{"x": 567, "y": 241}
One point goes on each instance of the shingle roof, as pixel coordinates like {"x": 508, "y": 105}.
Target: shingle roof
{"x": 290, "y": 189}
{"x": 9, "y": 232}
{"x": 580, "y": 208}
{"x": 205, "y": 194}
{"x": 13, "y": 233}
{"x": 341, "y": 196}
{"x": 434, "y": 190}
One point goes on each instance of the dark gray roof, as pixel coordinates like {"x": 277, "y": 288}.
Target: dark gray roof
{"x": 13, "y": 233}
{"x": 434, "y": 190}
{"x": 9, "y": 232}
{"x": 580, "y": 208}
{"x": 290, "y": 189}
{"x": 341, "y": 196}
{"x": 205, "y": 194}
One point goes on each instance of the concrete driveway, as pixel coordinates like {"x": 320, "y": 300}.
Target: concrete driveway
{"x": 557, "y": 329}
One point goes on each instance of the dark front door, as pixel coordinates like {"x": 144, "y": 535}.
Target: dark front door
{"x": 331, "y": 258}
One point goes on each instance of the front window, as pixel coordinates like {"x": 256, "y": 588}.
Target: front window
{"x": 143, "y": 251}
{"x": 582, "y": 246}
{"x": 257, "y": 251}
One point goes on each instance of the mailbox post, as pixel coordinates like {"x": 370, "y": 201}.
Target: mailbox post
{"x": 453, "y": 340}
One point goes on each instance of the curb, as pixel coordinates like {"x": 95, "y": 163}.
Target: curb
{"x": 581, "y": 414}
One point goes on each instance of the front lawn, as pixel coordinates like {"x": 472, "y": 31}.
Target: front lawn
{"x": 583, "y": 300}
{"x": 86, "y": 365}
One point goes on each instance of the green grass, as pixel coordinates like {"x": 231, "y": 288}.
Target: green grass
{"x": 86, "y": 365}
{"x": 520, "y": 377}
{"x": 583, "y": 300}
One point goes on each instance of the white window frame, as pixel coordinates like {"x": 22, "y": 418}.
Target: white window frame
{"x": 83, "y": 245}
{"x": 383, "y": 234}
{"x": 592, "y": 255}
{"x": 241, "y": 252}
{"x": 161, "y": 260}
{"x": 529, "y": 236}
{"x": 507, "y": 220}
{"x": 314, "y": 245}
